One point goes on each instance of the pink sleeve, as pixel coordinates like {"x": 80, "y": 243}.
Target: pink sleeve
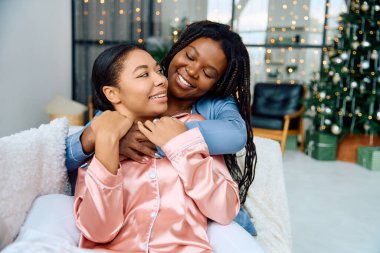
{"x": 206, "y": 179}
{"x": 98, "y": 204}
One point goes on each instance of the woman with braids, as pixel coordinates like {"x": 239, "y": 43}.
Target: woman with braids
{"x": 162, "y": 205}
{"x": 209, "y": 74}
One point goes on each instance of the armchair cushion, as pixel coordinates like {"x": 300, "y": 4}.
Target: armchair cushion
{"x": 276, "y": 100}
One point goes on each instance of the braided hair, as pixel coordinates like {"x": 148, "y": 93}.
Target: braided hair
{"x": 234, "y": 82}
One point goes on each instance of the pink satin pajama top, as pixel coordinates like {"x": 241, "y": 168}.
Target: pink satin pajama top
{"x": 161, "y": 206}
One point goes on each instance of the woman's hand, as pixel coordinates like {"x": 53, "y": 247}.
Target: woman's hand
{"x": 163, "y": 130}
{"x": 112, "y": 124}
{"x": 136, "y": 146}
{"x": 108, "y": 129}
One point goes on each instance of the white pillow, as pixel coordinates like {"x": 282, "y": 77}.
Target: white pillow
{"x": 32, "y": 163}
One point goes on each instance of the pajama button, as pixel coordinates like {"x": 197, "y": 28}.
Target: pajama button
{"x": 152, "y": 214}
{"x": 152, "y": 175}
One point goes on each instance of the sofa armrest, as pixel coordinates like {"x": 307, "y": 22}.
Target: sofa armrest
{"x": 267, "y": 200}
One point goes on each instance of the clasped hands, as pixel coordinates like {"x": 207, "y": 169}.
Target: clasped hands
{"x": 137, "y": 140}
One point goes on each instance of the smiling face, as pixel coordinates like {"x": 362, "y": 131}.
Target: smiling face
{"x": 141, "y": 91}
{"x": 195, "y": 69}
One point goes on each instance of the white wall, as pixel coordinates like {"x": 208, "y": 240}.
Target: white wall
{"x": 35, "y": 60}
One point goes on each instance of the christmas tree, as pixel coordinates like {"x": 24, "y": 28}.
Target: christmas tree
{"x": 345, "y": 96}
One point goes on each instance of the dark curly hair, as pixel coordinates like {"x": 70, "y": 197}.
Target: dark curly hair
{"x": 235, "y": 82}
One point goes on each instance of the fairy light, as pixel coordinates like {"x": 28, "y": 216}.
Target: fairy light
{"x": 121, "y": 11}
{"x": 158, "y": 13}
{"x": 101, "y": 42}
{"x": 101, "y": 1}
{"x": 101, "y": 33}
{"x": 85, "y": 1}
{"x": 140, "y": 40}
{"x": 284, "y": 6}
{"x": 158, "y": 1}
{"x": 137, "y": 10}
{"x": 101, "y": 22}
{"x": 306, "y": 18}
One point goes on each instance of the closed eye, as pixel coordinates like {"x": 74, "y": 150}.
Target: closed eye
{"x": 189, "y": 57}
{"x": 206, "y": 75}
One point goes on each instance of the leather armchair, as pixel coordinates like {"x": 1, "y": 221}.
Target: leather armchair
{"x": 276, "y": 112}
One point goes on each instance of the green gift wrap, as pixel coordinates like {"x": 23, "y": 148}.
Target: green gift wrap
{"x": 321, "y": 146}
{"x": 369, "y": 157}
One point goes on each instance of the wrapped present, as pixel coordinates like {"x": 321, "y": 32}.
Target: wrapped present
{"x": 369, "y": 157}
{"x": 321, "y": 146}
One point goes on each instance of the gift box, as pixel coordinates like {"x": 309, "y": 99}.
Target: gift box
{"x": 321, "y": 146}
{"x": 369, "y": 157}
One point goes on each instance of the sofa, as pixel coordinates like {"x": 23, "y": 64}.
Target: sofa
{"x": 35, "y": 193}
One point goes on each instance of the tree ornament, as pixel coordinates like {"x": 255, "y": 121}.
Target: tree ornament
{"x": 331, "y": 73}
{"x": 328, "y": 110}
{"x": 355, "y": 45}
{"x": 337, "y": 60}
{"x": 344, "y": 56}
{"x": 362, "y": 88}
{"x": 354, "y": 84}
{"x": 365, "y": 43}
{"x": 365, "y": 64}
{"x": 377, "y": 7}
{"x": 327, "y": 121}
{"x": 335, "y": 129}
{"x": 374, "y": 55}
{"x": 365, "y": 6}
{"x": 336, "y": 78}
{"x": 345, "y": 69}
{"x": 322, "y": 94}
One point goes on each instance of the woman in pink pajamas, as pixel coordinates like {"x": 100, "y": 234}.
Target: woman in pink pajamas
{"x": 162, "y": 205}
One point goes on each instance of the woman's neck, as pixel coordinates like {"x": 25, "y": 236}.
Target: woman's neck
{"x": 176, "y": 105}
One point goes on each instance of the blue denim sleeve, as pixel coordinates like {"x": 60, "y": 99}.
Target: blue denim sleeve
{"x": 224, "y": 129}
{"x": 75, "y": 156}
